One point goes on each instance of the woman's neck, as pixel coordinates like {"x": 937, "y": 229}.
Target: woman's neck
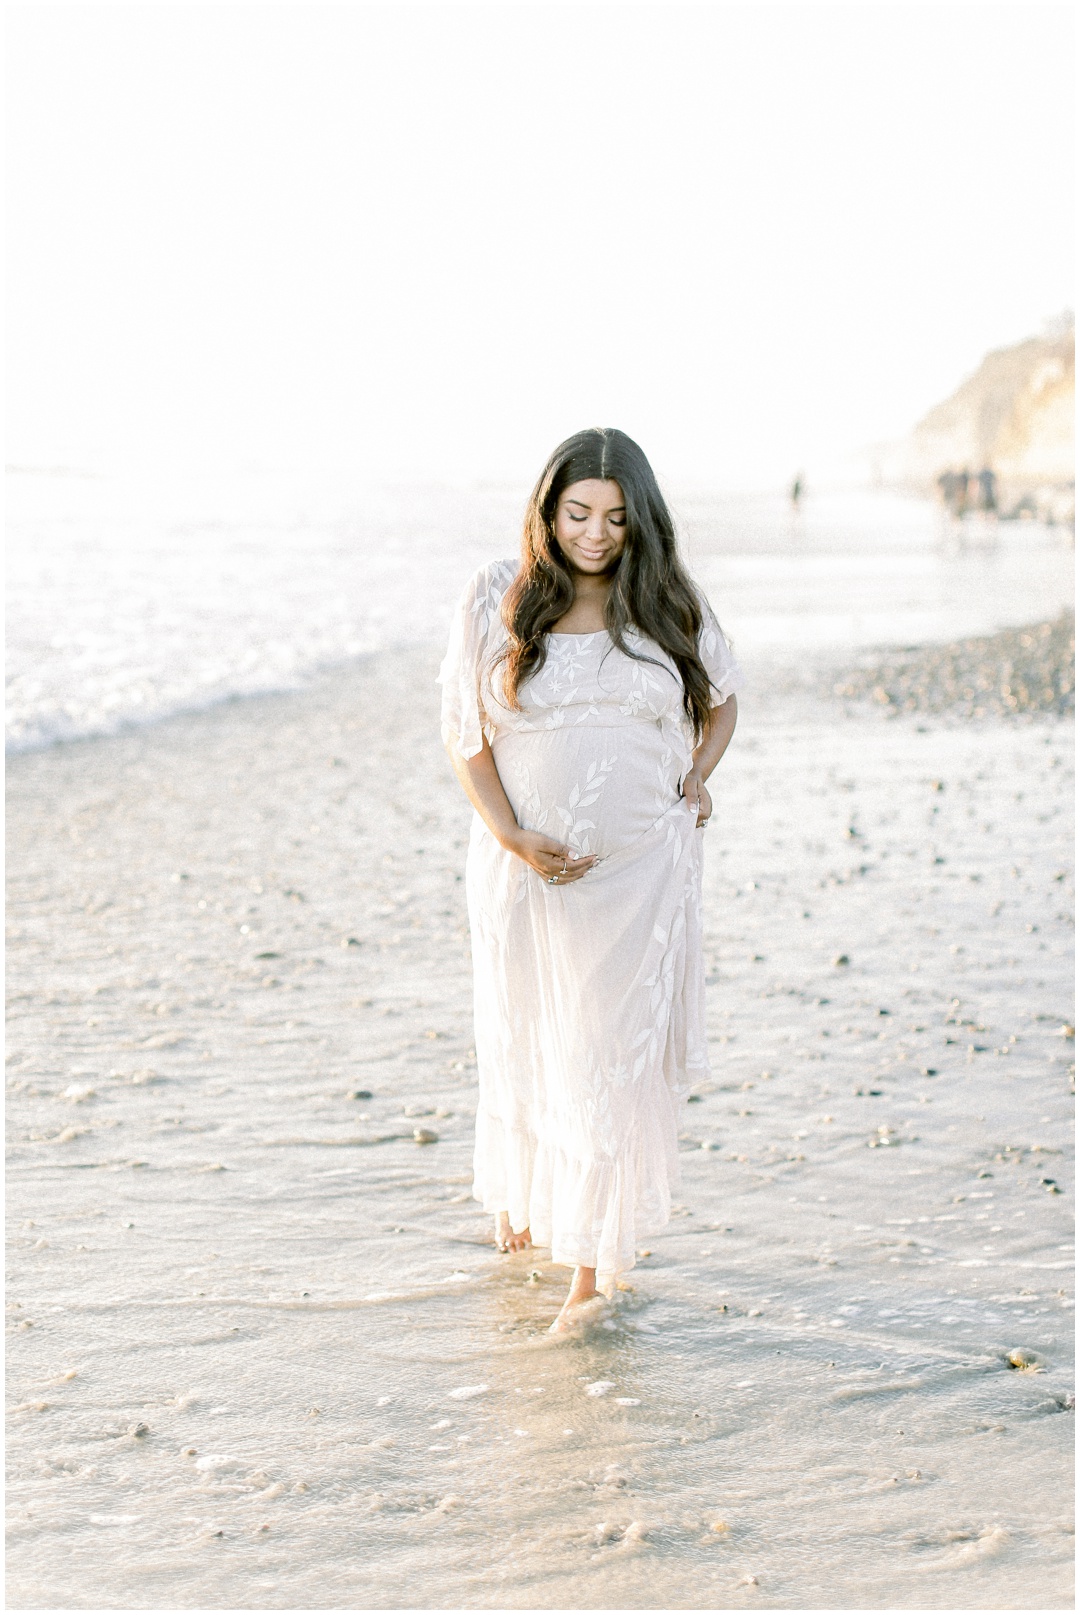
{"x": 586, "y": 615}
{"x": 591, "y": 586}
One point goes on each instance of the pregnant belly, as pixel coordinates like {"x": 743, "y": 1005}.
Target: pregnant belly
{"x": 593, "y": 789}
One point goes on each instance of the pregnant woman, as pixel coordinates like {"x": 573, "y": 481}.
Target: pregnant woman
{"x": 587, "y": 697}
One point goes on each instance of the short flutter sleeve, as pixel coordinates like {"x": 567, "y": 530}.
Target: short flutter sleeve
{"x": 473, "y": 638}
{"x": 725, "y": 674}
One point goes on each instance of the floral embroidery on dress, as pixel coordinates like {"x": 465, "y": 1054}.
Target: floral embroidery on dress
{"x": 582, "y": 796}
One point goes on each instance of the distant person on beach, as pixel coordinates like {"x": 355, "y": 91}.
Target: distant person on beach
{"x": 961, "y": 492}
{"x": 947, "y": 488}
{"x": 954, "y": 487}
{"x": 588, "y": 694}
{"x": 987, "y": 490}
{"x": 796, "y": 492}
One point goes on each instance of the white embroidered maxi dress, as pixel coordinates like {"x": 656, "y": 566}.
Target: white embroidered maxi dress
{"x": 589, "y": 998}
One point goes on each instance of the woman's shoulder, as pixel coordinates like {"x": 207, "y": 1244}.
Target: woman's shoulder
{"x": 500, "y": 574}
{"x": 710, "y": 625}
{"x": 488, "y": 584}
{"x": 479, "y": 611}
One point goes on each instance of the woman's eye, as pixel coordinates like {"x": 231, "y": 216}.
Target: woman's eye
{"x": 574, "y": 518}
{"x": 618, "y": 521}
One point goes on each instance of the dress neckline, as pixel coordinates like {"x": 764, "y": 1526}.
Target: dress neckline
{"x": 592, "y": 635}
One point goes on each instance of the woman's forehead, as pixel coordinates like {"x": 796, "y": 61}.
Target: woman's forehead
{"x": 592, "y": 492}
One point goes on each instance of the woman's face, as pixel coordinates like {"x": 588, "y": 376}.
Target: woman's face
{"x": 590, "y": 525}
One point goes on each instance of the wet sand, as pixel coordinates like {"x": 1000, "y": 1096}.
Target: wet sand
{"x": 261, "y": 1351}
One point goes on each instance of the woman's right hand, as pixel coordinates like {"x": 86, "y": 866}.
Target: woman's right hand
{"x": 548, "y": 857}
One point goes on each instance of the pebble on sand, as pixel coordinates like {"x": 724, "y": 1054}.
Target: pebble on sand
{"x": 465, "y": 1393}
{"x": 424, "y": 1135}
{"x": 1020, "y": 670}
{"x": 600, "y": 1387}
{"x": 1025, "y": 1361}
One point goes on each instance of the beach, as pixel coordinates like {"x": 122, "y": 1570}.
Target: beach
{"x": 303, "y": 349}
{"x": 262, "y": 1353}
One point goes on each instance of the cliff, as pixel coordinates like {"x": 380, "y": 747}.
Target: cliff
{"x": 1015, "y": 414}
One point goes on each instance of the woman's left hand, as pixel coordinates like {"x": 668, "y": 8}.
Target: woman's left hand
{"x": 697, "y": 797}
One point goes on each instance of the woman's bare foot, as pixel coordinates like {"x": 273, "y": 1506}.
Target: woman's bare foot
{"x": 505, "y": 1237}
{"x": 582, "y": 1289}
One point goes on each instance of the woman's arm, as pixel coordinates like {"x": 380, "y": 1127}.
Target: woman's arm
{"x": 480, "y": 781}
{"x": 712, "y": 746}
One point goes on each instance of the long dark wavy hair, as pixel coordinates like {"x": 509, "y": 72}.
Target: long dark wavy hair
{"x": 650, "y": 589}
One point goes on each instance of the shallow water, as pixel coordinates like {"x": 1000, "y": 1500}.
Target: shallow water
{"x": 129, "y": 600}
{"x": 227, "y": 925}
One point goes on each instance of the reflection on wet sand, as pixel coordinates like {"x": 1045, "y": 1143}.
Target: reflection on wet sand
{"x": 261, "y": 1346}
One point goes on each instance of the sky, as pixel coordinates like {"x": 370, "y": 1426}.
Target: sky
{"x": 430, "y": 241}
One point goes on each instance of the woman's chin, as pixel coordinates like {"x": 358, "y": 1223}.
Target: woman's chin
{"x": 597, "y": 568}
